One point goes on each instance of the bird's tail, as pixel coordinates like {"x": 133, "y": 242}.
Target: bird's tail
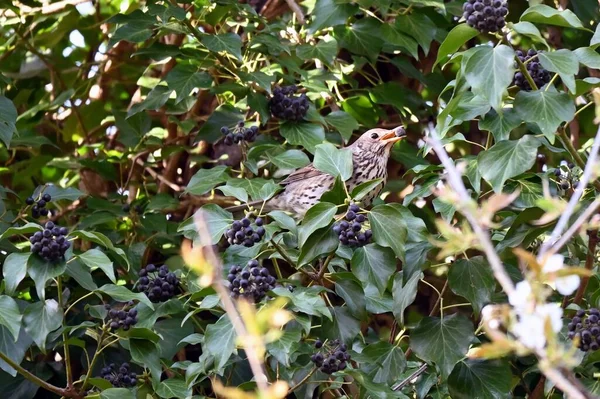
{"x": 238, "y": 208}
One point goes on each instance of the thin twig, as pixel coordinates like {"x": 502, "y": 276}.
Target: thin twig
{"x": 411, "y": 377}
{"x": 583, "y": 182}
{"x": 589, "y": 263}
{"x": 33, "y": 378}
{"x": 297, "y": 10}
{"x": 466, "y": 205}
{"x": 575, "y": 226}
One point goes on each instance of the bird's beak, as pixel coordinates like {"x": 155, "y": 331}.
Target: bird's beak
{"x": 394, "y": 135}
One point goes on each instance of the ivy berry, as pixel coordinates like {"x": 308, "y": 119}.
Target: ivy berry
{"x": 285, "y": 105}
{"x": 586, "y": 327}
{"x": 158, "y": 283}
{"x": 351, "y": 230}
{"x": 50, "y": 243}
{"x": 333, "y": 358}
{"x": 540, "y": 76}
{"x": 124, "y": 317}
{"x": 251, "y": 282}
{"x": 485, "y": 15}
{"x": 242, "y": 233}
{"x": 38, "y": 208}
{"x": 122, "y": 377}
{"x": 239, "y": 134}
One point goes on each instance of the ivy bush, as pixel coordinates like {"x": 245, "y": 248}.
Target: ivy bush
{"x": 141, "y": 141}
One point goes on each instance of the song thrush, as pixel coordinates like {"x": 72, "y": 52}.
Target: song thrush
{"x": 304, "y": 187}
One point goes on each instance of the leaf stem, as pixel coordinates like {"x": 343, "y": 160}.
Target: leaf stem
{"x": 277, "y": 269}
{"x": 65, "y": 336}
{"x": 303, "y": 381}
{"x": 94, "y": 359}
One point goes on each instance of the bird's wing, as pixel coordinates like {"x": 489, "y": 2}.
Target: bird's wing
{"x": 301, "y": 174}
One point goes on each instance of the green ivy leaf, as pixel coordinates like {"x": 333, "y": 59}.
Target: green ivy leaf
{"x": 389, "y": 230}
{"x": 40, "y": 319}
{"x": 146, "y": 353}
{"x": 489, "y": 71}
{"x": 14, "y": 270}
{"x": 25, "y": 229}
{"x": 96, "y": 258}
{"x": 363, "y": 189}
{"x": 230, "y": 43}
{"x": 530, "y": 30}
{"x": 156, "y": 98}
{"x": 325, "y": 50}
{"x": 290, "y": 159}
{"x": 419, "y": 26}
{"x": 404, "y": 294}
{"x": 507, "y": 159}
{"x": 206, "y": 179}
{"x": 321, "y": 242}
{"x": 174, "y": 388}
{"x": 343, "y": 122}
{"x": 41, "y": 272}
{"x": 219, "y": 341}
{"x": 500, "y": 123}
{"x": 328, "y": 13}
{"x": 305, "y": 300}
{"x": 184, "y": 78}
{"x": 333, "y": 161}
{"x": 81, "y": 274}
{"x": 374, "y": 265}
{"x": 8, "y": 120}
{"x": 588, "y": 57}
{"x": 563, "y": 62}
{"x": 318, "y": 216}
{"x": 458, "y": 36}
{"x": 442, "y": 341}
{"x": 547, "y": 109}
{"x": 543, "y": 14}
{"x": 342, "y": 325}
{"x": 361, "y": 109}
{"x": 223, "y": 115}
{"x": 472, "y": 279}
{"x": 394, "y": 39}
{"x": 122, "y": 294}
{"x": 352, "y": 293}
{"x": 10, "y": 316}
{"x": 308, "y": 135}
{"x": 382, "y": 361}
{"x": 362, "y": 37}
{"x": 103, "y": 240}
{"x": 117, "y": 393}
{"x": 15, "y": 350}
{"x": 483, "y": 379}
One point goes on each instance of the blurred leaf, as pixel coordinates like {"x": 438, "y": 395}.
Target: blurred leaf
{"x": 507, "y": 159}
{"x": 321, "y": 242}
{"x": 173, "y": 388}
{"x": 122, "y": 294}
{"x": 8, "y": 120}
{"x": 343, "y": 122}
{"x": 10, "y": 316}
{"x": 383, "y": 362}
{"x": 442, "y": 341}
{"x": 325, "y": 50}
{"x": 41, "y": 272}
{"x": 117, "y": 393}
{"x": 305, "y": 300}
{"x": 362, "y": 110}
{"x": 342, "y": 325}
{"x": 530, "y": 30}
{"x": 146, "y": 353}
{"x": 184, "y": 78}
{"x": 156, "y": 98}
{"x": 362, "y": 37}
{"x": 13, "y": 349}
{"x": 328, "y": 13}
{"x": 588, "y": 57}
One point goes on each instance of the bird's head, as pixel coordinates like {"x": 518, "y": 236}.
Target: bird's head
{"x": 378, "y": 141}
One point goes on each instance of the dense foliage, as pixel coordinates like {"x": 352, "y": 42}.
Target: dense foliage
{"x": 133, "y": 134}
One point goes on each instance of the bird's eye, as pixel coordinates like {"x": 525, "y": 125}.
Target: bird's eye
{"x": 374, "y": 135}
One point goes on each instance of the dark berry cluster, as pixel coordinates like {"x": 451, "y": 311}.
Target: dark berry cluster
{"x": 50, "y": 243}
{"x": 124, "y": 317}
{"x": 586, "y": 327}
{"x": 566, "y": 176}
{"x": 285, "y": 105}
{"x": 158, "y": 283}
{"x": 127, "y": 208}
{"x": 539, "y": 75}
{"x": 485, "y": 15}
{"x": 333, "y": 358}
{"x": 241, "y": 232}
{"x": 251, "y": 282}
{"x": 350, "y": 231}
{"x": 123, "y": 377}
{"x": 239, "y": 134}
{"x": 39, "y": 207}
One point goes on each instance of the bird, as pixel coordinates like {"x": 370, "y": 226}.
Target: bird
{"x": 304, "y": 187}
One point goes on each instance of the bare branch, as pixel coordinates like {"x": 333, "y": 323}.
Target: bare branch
{"x": 564, "y": 218}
